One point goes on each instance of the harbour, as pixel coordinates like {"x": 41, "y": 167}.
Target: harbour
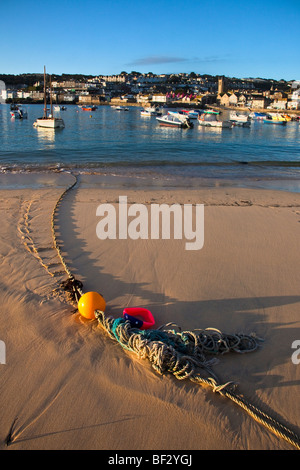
{"x": 107, "y": 142}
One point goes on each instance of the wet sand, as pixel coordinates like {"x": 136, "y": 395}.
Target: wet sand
{"x": 67, "y": 385}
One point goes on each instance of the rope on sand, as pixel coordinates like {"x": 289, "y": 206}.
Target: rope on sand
{"x": 72, "y": 286}
{"x": 183, "y": 355}
{"x": 180, "y": 353}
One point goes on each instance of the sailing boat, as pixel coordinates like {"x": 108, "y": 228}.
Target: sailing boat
{"x": 48, "y": 120}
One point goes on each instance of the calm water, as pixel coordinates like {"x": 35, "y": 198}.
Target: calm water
{"x": 124, "y": 143}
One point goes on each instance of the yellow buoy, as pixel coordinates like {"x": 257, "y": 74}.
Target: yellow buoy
{"x": 90, "y": 302}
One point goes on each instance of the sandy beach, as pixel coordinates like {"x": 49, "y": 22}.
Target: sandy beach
{"x": 67, "y": 385}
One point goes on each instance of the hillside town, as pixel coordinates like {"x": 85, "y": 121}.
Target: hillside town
{"x": 138, "y": 89}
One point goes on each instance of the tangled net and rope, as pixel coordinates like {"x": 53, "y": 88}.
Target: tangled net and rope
{"x": 184, "y": 354}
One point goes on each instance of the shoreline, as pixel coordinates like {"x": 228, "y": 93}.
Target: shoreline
{"x": 173, "y": 104}
{"x": 292, "y": 112}
{"x": 18, "y": 179}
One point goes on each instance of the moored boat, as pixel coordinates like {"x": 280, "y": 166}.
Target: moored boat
{"x": 287, "y": 117}
{"x": 274, "y": 121}
{"x": 276, "y": 117}
{"x": 151, "y": 111}
{"x": 210, "y": 120}
{"x": 237, "y": 117}
{"x": 120, "y": 108}
{"x": 212, "y": 111}
{"x": 19, "y": 112}
{"x": 171, "y": 120}
{"x": 146, "y": 113}
{"x": 88, "y": 108}
{"x": 56, "y": 107}
{"x": 191, "y": 113}
{"x": 48, "y": 120}
{"x": 257, "y": 115}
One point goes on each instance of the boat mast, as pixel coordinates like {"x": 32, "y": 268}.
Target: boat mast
{"x": 45, "y": 98}
{"x": 51, "y": 104}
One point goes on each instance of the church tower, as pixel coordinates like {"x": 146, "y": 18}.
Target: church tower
{"x": 221, "y": 85}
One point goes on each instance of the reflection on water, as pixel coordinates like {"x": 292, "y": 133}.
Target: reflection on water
{"x": 213, "y": 133}
{"x": 46, "y": 137}
{"x": 2, "y": 88}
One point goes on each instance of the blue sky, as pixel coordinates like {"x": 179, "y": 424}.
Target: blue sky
{"x": 232, "y": 38}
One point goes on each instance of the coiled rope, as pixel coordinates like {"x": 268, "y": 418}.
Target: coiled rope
{"x": 184, "y": 354}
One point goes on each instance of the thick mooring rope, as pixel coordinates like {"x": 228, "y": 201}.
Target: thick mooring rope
{"x": 184, "y": 354}
{"x": 72, "y": 286}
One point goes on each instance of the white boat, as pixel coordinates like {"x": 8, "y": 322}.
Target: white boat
{"x": 120, "y": 108}
{"x": 19, "y": 112}
{"x": 172, "y": 120}
{"x": 210, "y": 120}
{"x": 56, "y": 107}
{"x": 48, "y": 120}
{"x": 236, "y": 117}
{"x": 180, "y": 115}
{"x": 151, "y": 111}
{"x": 146, "y": 113}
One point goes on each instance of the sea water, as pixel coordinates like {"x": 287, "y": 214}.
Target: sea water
{"x": 125, "y": 144}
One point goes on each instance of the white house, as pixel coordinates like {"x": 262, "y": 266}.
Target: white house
{"x": 279, "y": 104}
{"x": 296, "y": 84}
{"x": 24, "y": 94}
{"x": 160, "y": 99}
{"x": 296, "y": 95}
{"x": 8, "y": 94}
{"x": 233, "y": 99}
{"x": 295, "y": 100}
